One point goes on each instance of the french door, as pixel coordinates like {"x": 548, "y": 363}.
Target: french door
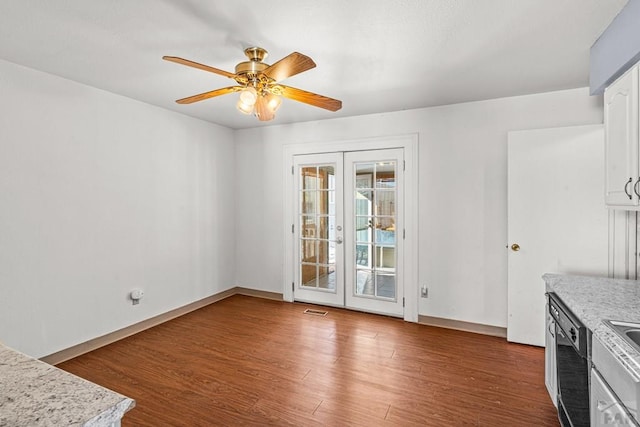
{"x": 319, "y": 229}
{"x": 348, "y": 241}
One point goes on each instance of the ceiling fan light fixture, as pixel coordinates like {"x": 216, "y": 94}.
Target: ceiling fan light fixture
{"x": 263, "y": 112}
{"x": 273, "y": 102}
{"x": 248, "y": 95}
{"x": 243, "y": 107}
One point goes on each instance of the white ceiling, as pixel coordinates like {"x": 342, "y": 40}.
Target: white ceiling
{"x": 374, "y": 55}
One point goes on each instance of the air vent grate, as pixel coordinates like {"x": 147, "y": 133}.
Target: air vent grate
{"x": 315, "y": 312}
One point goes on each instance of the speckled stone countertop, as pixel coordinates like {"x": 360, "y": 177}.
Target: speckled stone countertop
{"x": 33, "y": 393}
{"x": 595, "y": 299}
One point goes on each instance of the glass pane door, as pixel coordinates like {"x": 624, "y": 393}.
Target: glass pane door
{"x": 373, "y": 213}
{"x": 347, "y": 226}
{"x": 318, "y": 229}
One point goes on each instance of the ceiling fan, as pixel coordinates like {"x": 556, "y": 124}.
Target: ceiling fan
{"x": 259, "y": 83}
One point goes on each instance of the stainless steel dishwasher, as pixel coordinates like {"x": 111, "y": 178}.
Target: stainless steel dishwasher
{"x": 615, "y": 394}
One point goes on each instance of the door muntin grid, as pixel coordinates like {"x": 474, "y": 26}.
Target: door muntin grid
{"x": 375, "y": 256}
{"x": 316, "y": 222}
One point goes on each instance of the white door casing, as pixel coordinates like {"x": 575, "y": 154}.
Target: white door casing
{"x": 556, "y": 215}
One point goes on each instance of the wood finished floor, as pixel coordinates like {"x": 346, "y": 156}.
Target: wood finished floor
{"x": 251, "y": 361}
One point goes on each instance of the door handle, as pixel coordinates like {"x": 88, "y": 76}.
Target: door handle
{"x": 515, "y": 247}
{"x": 338, "y": 240}
{"x": 627, "y": 192}
{"x": 635, "y": 187}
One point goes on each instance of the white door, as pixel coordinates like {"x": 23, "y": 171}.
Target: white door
{"x": 319, "y": 266}
{"x": 348, "y": 208}
{"x": 556, "y": 216}
{"x": 374, "y": 205}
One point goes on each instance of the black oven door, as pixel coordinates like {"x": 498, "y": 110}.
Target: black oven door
{"x": 573, "y": 382}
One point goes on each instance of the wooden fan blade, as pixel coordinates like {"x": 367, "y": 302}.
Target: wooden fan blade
{"x": 311, "y": 98}
{"x": 210, "y": 94}
{"x": 199, "y": 66}
{"x": 288, "y": 66}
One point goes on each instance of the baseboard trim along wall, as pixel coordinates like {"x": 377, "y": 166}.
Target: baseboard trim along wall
{"x": 260, "y": 294}
{"x": 459, "y": 325}
{"x": 85, "y": 347}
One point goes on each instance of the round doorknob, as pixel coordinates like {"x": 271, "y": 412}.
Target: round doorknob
{"x": 338, "y": 240}
{"x": 515, "y": 247}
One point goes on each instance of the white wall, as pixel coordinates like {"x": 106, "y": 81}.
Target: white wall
{"x": 463, "y": 193}
{"x": 100, "y": 194}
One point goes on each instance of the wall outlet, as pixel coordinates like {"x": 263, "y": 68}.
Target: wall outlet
{"x": 424, "y": 292}
{"x": 136, "y": 295}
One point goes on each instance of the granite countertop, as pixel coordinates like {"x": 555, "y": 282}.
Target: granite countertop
{"x": 33, "y": 393}
{"x": 594, "y": 299}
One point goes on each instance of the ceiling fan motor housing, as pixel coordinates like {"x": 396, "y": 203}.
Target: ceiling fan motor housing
{"x": 251, "y": 67}
{"x": 254, "y": 65}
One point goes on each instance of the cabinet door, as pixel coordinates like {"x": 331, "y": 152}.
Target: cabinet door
{"x": 624, "y": 236}
{"x": 622, "y": 183}
{"x": 550, "y": 374}
{"x": 605, "y": 408}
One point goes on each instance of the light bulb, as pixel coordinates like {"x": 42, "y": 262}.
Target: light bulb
{"x": 244, "y": 108}
{"x": 263, "y": 112}
{"x": 248, "y": 95}
{"x": 273, "y": 102}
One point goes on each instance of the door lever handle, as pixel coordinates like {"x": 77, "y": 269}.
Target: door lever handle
{"x": 338, "y": 240}
{"x": 628, "y": 192}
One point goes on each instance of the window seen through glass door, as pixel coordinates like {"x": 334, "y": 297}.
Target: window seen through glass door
{"x": 375, "y": 219}
{"x": 317, "y": 221}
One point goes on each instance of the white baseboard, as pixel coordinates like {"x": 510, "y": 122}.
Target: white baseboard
{"x": 85, "y": 347}
{"x": 112, "y": 337}
{"x": 260, "y": 294}
{"x": 459, "y": 325}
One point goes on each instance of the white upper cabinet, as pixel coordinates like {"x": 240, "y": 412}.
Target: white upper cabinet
{"x": 622, "y": 179}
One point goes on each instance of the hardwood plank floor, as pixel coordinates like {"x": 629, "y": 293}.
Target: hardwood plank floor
{"x": 251, "y": 361}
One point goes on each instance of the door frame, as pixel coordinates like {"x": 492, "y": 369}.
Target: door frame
{"x": 408, "y": 142}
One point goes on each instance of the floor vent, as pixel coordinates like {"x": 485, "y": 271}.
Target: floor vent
{"x": 315, "y": 312}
